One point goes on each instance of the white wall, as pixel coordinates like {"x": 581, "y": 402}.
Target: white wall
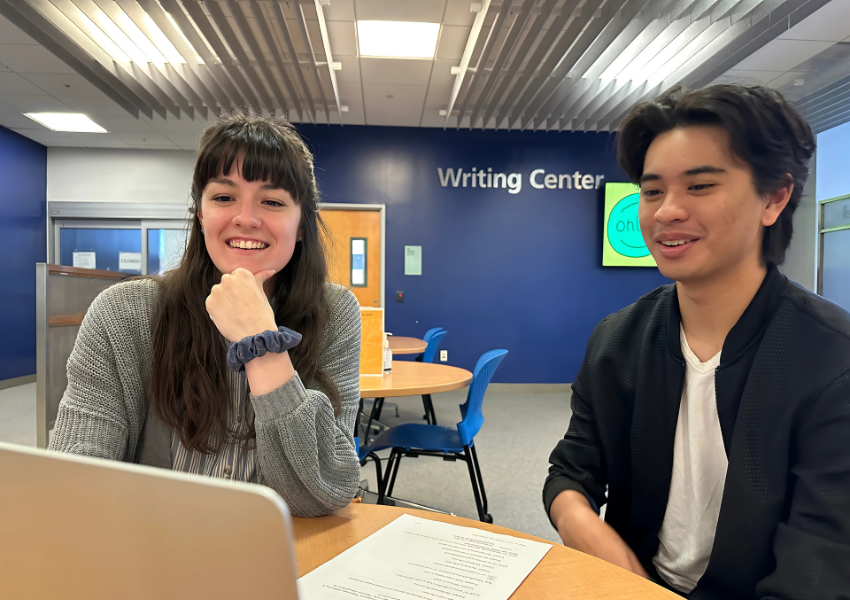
{"x": 110, "y": 175}
{"x": 802, "y": 257}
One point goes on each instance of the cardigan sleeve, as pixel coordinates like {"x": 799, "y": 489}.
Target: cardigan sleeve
{"x": 305, "y": 453}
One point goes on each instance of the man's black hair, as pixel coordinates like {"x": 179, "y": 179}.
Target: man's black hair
{"x": 765, "y": 133}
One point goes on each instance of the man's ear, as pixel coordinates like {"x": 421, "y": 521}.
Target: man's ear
{"x": 776, "y": 202}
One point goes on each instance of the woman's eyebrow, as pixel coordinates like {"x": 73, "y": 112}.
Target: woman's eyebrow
{"x": 223, "y": 181}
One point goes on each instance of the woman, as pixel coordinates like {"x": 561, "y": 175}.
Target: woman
{"x": 243, "y": 362}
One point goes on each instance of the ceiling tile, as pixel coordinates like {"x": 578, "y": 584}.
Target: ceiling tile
{"x": 31, "y": 59}
{"x": 442, "y": 75}
{"x": 786, "y": 80}
{"x": 427, "y": 11}
{"x": 11, "y": 34}
{"x": 12, "y": 83}
{"x": 5, "y": 108}
{"x": 747, "y": 77}
{"x": 339, "y": 10}
{"x": 828, "y": 23}
{"x": 57, "y": 138}
{"x": 438, "y": 97}
{"x": 124, "y": 125}
{"x": 394, "y": 104}
{"x": 431, "y": 118}
{"x": 452, "y": 42}
{"x": 17, "y": 120}
{"x": 395, "y": 71}
{"x": 172, "y": 126}
{"x": 350, "y": 72}
{"x": 342, "y": 37}
{"x": 781, "y": 55}
{"x": 95, "y": 107}
{"x": 458, "y": 13}
{"x": 187, "y": 142}
{"x": 64, "y": 85}
{"x": 35, "y": 103}
{"x": 145, "y": 140}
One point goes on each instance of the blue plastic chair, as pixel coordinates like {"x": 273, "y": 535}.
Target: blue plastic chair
{"x": 427, "y": 337}
{"x": 448, "y": 443}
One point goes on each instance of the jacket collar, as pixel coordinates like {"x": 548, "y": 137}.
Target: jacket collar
{"x": 749, "y": 327}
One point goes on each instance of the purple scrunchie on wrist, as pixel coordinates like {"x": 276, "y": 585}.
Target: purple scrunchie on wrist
{"x": 254, "y": 346}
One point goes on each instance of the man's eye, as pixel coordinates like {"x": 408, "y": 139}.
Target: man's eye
{"x": 651, "y": 192}
{"x": 702, "y": 186}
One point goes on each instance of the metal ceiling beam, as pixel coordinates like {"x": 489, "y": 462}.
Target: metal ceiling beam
{"x": 471, "y": 43}
{"x": 517, "y": 27}
{"x": 531, "y": 72}
{"x": 240, "y": 90}
{"x": 583, "y": 113}
{"x": 277, "y": 54}
{"x": 279, "y": 101}
{"x": 186, "y": 81}
{"x": 819, "y": 126}
{"x": 329, "y": 59}
{"x": 73, "y": 9}
{"x": 478, "y": 74}
{"x": 586, "y": 90}
{"x": 308, "y": 43}
{"x": 283, "y": 28}
{"x": 570, "y": 38}
{"x": 610, "y": 102}
{"x": 196, "y": 74}
{"x": 33, "y": 20}
{"x": 198, "y": 44}
{"x": 235, "y": 45}
{"x": 156, "y": 72}
{"x": 498, "y": 93}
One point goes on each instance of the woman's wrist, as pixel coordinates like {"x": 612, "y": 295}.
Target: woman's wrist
{"x": 269, "y": 372}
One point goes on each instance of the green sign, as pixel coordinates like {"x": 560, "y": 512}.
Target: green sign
{"x": 623, "y": 244}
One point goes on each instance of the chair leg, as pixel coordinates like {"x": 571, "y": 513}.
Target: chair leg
{"x": 357, "y": 420}
{"x": 391, "y": 483}
{"x": 477, "y": 484}
{"x": 373, "y": 415}
{"x": 382, "y": 483}
{"x": 429, "y": 416}
{"x": 377, "y": 460}
{"x": 379, "y": 402}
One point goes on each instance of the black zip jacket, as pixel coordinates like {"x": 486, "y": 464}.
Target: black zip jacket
{"x": 783, "y": 400}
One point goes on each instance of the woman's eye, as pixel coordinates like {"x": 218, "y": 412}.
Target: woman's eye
{"x": 273, "y": 203}
{"x": 223, "y": 198}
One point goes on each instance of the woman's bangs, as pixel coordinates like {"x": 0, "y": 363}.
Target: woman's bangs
{"x": 258, "y": 154}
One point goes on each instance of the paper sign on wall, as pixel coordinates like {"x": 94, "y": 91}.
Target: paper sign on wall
{"x": 130, "y": 261}
{"x": 413, "y": 260}
{"x": 85, "y": 260}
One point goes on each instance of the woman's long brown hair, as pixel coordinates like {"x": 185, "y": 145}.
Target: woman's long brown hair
{"x": 189, "y": 384}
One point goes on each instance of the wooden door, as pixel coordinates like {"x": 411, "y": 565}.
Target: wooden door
{"x": 344, "y": 226}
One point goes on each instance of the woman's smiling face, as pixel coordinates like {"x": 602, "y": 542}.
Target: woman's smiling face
{"x": 249, "y": 224}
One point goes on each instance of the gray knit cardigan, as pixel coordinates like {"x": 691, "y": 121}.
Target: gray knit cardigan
{"x": 304, "y": 453}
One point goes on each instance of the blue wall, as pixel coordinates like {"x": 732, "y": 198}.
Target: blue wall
{"x": 831, "y": 171}
{"x": 23, "y": 206}
{"x": 499, "y": 270}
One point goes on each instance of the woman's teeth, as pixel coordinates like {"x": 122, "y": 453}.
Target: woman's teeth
{"x": 246, "y": 245}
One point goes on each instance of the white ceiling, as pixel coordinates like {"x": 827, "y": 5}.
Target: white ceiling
{"x": 413, "y": 92}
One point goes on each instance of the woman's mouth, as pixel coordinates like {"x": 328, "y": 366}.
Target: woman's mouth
{"x": 240, "y": 244}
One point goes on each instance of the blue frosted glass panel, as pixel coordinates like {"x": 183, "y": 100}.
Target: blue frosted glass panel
{"x": 105, "y": 243}
{"x": 836, "y": 267}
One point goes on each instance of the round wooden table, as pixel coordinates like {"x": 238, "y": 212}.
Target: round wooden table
{"x": 411, "y": 378}
{"x": 563, "y": 572}
{"x": 406, "y": 345}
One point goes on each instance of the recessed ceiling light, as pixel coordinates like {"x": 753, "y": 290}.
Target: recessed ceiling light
{"x": 75, "y": 122}
{"x": 397, "y": 39}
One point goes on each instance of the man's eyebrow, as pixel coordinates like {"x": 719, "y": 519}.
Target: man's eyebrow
{"x": 223, "y": 181}
{"x": 704, "y": 169}
{"x": 649, "y": 177}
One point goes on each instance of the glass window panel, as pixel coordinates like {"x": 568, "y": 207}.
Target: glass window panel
{"x": 836, "y": 267}
{"x": 99, "y": 248}
{"x": 165, "y": 249}
{"x": 836, "y": 213}
{"x": 358, "y": 262}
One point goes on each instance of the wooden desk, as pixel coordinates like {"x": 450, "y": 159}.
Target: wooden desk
{"x": 406, "y": 345}
{"x": 563, "y": 573}
{"x": 414, "y": 379}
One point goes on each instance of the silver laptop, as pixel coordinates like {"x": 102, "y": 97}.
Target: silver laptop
{"x": 73, "y": 527}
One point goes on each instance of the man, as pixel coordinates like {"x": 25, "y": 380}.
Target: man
{"x": 713, "y": 415}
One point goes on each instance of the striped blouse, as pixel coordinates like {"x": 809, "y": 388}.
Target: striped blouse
{"x": 237, "y": 459}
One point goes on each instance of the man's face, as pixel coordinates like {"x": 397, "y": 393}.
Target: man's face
{"x": 699, "y": 211}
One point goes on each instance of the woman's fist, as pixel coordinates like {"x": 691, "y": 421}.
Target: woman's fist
{"x": 238, "y": 305}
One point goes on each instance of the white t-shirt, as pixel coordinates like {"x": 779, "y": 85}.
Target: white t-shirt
{"x": 699, "y": 475}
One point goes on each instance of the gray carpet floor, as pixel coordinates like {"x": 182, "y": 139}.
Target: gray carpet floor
{"x": 519, "y": 432}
